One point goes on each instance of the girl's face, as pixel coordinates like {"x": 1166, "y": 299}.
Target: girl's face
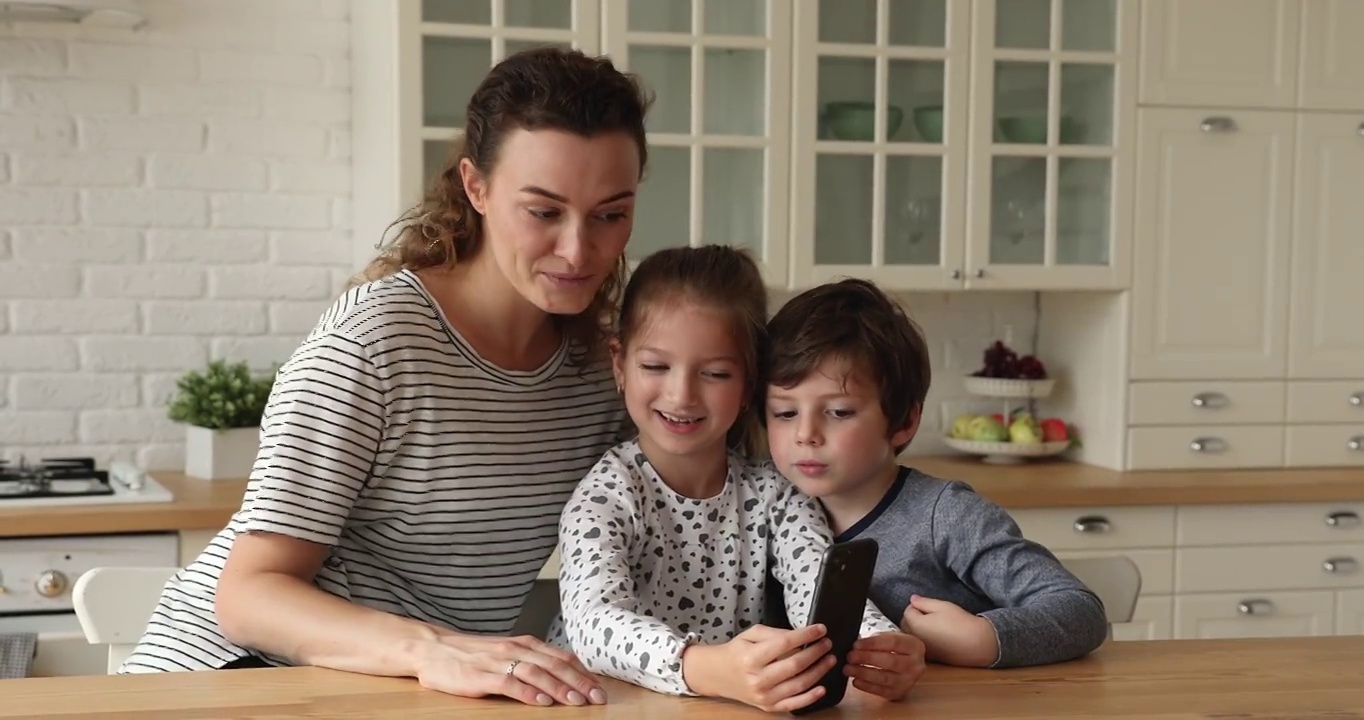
{"x": 557, "y": 212}
{"x": 683, "y": 379}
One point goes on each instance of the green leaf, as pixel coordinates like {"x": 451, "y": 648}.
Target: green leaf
{"x": 221, "y": 396}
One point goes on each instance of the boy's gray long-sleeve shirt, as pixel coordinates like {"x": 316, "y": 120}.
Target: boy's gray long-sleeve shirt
{"x": 942, "y": 540}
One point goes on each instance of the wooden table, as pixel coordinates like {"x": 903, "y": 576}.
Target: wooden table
{"x": 1287, "y": 678}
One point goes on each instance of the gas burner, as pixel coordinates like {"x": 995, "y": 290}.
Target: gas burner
{"x": 52, "y": 478}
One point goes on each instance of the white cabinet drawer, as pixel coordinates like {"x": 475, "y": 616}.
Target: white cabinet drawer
{"x": 1326, "y": 401}
{"x": 1248, "y": 615}
{"x": 1157, "y": 567}
{"x": 1270, "y": 523}
{"x": 1324, "y": 445}
{"x": 1209, "y": 447}
{"x": 1098, "y": 528}
{"x": 1205, "y": 402}
{"x": 1152, "y": 619}
{"x": 1278, "y": 567}
{"x": 1350, "y": 612}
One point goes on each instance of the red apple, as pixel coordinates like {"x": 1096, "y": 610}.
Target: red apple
{"x": 1055, "y": 430}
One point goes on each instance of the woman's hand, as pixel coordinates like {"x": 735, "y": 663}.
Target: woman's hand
{"x": 951, "y": 635}
{"x": 765, "y": 667}
{"x": 477, "y": 666}
{"x": 888, "y": 664}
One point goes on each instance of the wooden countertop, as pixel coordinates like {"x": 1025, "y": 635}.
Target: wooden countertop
{"x": 1060, "y": 484}
{"x": 1156, "y": 680}
{"x": 198, "y": 505}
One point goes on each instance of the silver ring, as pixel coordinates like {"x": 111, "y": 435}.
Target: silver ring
{"x": 511, "y": 667}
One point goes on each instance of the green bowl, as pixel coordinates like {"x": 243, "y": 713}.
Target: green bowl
{"x": 1032, "y": 129}
{"x": 928, "y": 121}
{"x": 856, "y": 120}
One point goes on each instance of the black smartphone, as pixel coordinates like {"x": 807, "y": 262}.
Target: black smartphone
{"x": 839, "y": 603}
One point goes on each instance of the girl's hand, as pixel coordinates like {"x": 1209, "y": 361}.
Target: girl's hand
{"x": 765, "y": 667}
{"x": 887, "y": 665}
{"x": 951, "y": 635}
{"x": 474, "y": 666}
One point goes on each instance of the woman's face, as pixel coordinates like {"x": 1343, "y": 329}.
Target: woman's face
{"x": 557, "y": 211}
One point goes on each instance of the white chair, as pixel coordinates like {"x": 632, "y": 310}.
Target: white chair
{"x": 1115, "y": 579}
{"x": 114, "y": 603}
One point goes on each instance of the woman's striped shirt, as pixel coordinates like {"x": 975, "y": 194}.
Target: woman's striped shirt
{"x": 435, "y": 478}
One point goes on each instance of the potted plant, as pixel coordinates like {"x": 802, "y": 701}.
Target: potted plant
{"x": 221, "y": 408}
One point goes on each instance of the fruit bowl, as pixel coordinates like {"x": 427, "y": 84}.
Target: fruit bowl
{"x": 1007, "y": 453}
{"x": 1008, "y": 387}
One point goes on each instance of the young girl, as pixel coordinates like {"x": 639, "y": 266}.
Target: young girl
{"x": 667, "y": 542}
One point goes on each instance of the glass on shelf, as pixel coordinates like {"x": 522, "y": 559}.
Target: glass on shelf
{"x": 843, "y": 217}
{"x": 537, "y": 13}
{"x": 918, "y": 23}
{"x": 736, "y": 17}
{"x": 656, "y": 16}
{"x": 1086, "y": 104}
{"x": 1083, "y": 210}
{"x": 1023, "y": 24}
{"x": 1018, "y": 210}
{"x": 1088, "y": 25}
{"x": 735, "y": 89}
{"x": 733, "y": 197}
{"x": 662, "y": 207}
{"x": 463, "y": 12}
{"x": 846, "y": 97}
{"x": 1020, "y": 102}
{"x": 913, "y": 224}
{"x": 667, "y": 71}
{"x": 915, "y": 90}
{"x": 451, "y": 70}
{"x": 847, "y": 21}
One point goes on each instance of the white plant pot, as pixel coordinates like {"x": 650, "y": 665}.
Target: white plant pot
{"x": 220, "y": 454}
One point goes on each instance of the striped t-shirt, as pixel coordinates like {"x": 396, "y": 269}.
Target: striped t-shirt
{"x": 435, "y": 478}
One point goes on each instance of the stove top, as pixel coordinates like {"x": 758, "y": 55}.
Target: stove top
{"x": 74, "y": 481}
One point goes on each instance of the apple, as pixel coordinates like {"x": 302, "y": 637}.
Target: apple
{"x": 960, "y": 426}
{"x": 984, "y": 428}
{"x": 1024, "y": 430}
{"x": 1055, "y": 430}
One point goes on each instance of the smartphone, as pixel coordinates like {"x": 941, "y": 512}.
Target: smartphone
{"x": 839, "y": 603}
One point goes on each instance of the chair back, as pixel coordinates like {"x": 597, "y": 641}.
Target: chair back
{"x": 113, "y": 605}
{"x": 1114, "y": 578}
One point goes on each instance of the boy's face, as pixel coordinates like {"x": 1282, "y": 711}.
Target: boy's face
{"x": 828, "y": 435}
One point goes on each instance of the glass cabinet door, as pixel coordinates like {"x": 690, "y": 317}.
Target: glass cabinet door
{"x": 880, "y": 127}
{"x": 1053, "y": 109}
{"x": 718, "y": 130}
{"x": 460, "y": 39}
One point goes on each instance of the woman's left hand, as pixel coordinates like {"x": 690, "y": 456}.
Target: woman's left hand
{"x": 887, "y": 665}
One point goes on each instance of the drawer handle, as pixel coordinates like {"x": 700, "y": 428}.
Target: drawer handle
{"x": 1208, "y": 445}
{"x": 1356, "y": 443}
{"x": 1220, "y": 123}
{"x": 1357, "y": 399}
{"x": 1093, "y": 525}
{"x": 1340, "y": 565}
{"x": 1255, "y": 607}
{"x": 1209, "y": 400}
{"x": 1345, "y": 519}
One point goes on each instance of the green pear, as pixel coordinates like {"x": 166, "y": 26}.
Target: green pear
{"x": 984, "y": 428}
{"x": 960, "y": 426}
{"x": 1025, "y": 430}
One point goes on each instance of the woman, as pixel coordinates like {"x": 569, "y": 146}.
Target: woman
{"x": 419, "y": 445}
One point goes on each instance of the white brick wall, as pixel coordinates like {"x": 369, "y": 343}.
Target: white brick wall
{"x": 167, "y": 196}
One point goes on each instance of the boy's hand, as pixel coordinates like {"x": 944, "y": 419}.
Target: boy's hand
{"x": 887, "y": 664}
{"x": 762, "y": 666}
{"x": 951, "y": 635}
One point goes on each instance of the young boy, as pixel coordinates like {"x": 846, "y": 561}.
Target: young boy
{"x": 848, "y": 373}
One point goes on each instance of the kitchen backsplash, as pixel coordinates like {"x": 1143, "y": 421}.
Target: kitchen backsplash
{"x": 182, "y": 193}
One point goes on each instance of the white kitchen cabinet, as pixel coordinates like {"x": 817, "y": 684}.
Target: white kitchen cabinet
{"x": 1252, "y": 615}
{"x": 1332, "y": 55}
{"x": 1220, "y": 53}
{"x": 1213, "y": 233}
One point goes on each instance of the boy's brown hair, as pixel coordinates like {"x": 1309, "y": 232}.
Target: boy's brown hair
{"x": 853, "y": 320}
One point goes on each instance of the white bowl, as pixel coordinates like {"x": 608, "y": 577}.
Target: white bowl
{"x": 1007, "y": 453}
{"x": 1007, "y": 387}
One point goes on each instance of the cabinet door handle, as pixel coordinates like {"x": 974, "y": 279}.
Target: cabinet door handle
{"x": 1345, "y": 519}
{"x": 1209, "y": 400}
{"x": 1360, "y": 129}
{"x": 1220, "y": 123}
{"x": 1255, "y": 607}
{"x": 1207, "y": 445}
{"x": 980, "y": 273}
{"x": 1357, "y": 399}
{"x": 956, "y": 274}
{"x": 1092, "y": 525}
{"x": 1355, "y": 443}
{"x": 1340, "y": 565}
